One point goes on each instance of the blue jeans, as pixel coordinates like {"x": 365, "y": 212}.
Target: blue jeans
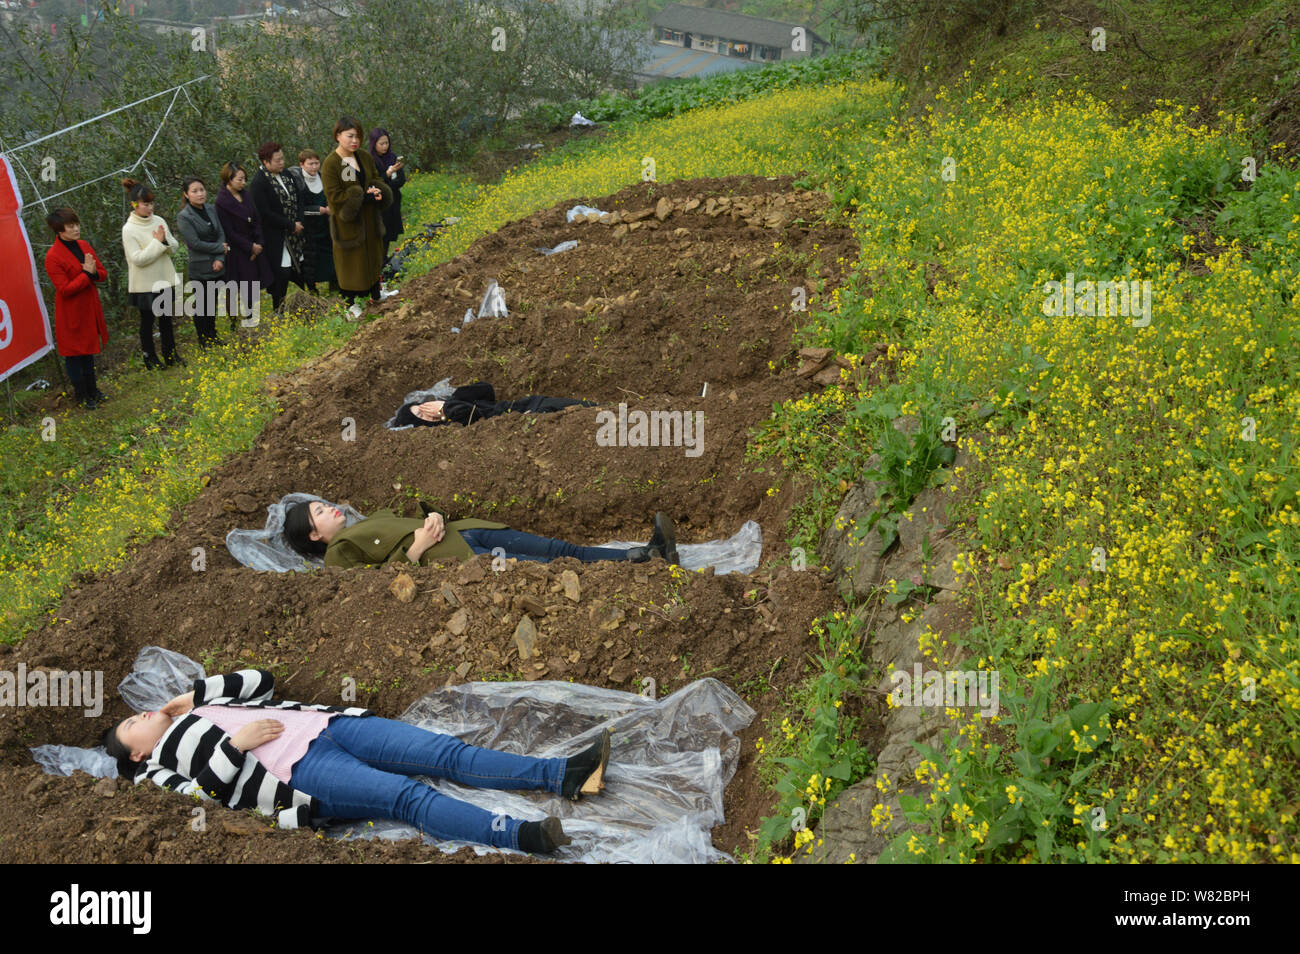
{"x": 359, "y": 767}
{"x": 529, "y": 546}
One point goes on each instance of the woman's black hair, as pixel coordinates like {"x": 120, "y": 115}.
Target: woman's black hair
{"x": 126, "y": 768}
{"x": 298, "y": 528}
{"x": 137, "y": 191}
{"x": 185, "y": 189}
{"x": 60, "y": 219}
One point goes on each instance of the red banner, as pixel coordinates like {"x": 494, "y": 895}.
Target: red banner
{"x": 24, "y": 323}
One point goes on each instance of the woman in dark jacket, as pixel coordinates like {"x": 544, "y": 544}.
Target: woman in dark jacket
{"x": 358, "y": 195}
{"x": 473, "y": 402}
{"x": 277, "y": 203}
{"x": 79, "y": 325}
{"x": 200, "y": 229}
{"x": 246, "y": 263}
{"x": 318, "y": 250}
{"x": 389, "y": 166}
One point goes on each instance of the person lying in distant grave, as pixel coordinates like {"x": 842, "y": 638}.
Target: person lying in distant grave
{"x": 316, "y": 529}
{"x": 227, "y": 740}
{"x": 473, "y": 402}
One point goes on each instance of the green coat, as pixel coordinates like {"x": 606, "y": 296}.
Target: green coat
{"x": 356, "y": 222}
{"x": 385, "y": 537}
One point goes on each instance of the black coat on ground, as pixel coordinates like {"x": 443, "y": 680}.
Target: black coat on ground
{"x": 473, "y": 402}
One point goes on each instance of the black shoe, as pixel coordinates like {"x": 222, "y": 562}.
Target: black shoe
{"x": 639, "y": 554}
{"x": 174, "y": 360}
{"x": 664, "y": 542}
{"x": 584, "y": 773}
{"x": 84, "y": 397}
{"x": 543, "y": 837}
{"x": 151, "y": 363}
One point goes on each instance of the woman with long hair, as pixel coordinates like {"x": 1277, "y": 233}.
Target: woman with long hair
{"x": 152, "y": 279}
{"x": 316, "y": 529}
{"x": 226, "y": 739}
{"x": 390, "y": 165}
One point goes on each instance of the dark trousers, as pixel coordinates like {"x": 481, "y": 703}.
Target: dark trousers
{"x": 529, "y": 546}
{"x": 279, "y": 285}
{"x": 81, "y": 372}
{"x": 205, "y": 313}
{"x": 144, "y": 303}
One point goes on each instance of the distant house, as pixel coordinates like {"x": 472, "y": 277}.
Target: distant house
{"x": 734, "y": 35}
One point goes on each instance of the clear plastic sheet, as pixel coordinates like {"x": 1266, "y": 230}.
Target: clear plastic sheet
{"x": 441, "y": 391}
{"x": 739, "y": 553}
{"x": 493, "y": 305}
{"x": 669, "y": 763}
{"x": 562, "y": 247}
{"x": 670, "y": 759}
{"x": 66, "y": 759}
{"x": 266, "y": 549}
{"x": 580, "y": 120}
{"x": 578, "y": 210}
{"x": 158, "y": 676}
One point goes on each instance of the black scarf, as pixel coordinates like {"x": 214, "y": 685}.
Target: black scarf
{"x": 75, "y": 248}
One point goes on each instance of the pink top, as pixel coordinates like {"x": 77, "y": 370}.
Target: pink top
{"x": 280, "y": 754}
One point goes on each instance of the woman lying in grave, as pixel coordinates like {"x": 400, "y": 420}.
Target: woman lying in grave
{"x": 315, "y": 761}
{"x": 473, "y": 402}
{"x": 316, "y": 529}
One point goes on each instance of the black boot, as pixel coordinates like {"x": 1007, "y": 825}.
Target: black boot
{"x": 543, "y": 837}
{"x": 84, "y": 397}
{"x": 664, "y": 541}
{"x": 584, "y": 773}
{"x": 92, "y": 386}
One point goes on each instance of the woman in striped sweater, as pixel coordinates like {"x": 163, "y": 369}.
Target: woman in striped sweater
{"x": 317, "y": 761}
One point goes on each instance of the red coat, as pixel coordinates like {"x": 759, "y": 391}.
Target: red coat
{"x": 79, "y": 325}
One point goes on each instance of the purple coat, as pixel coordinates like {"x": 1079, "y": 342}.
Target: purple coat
{"x": 243, "y": 228}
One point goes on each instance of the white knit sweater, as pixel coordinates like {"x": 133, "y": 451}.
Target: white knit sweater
{"x": 148, "y": 261}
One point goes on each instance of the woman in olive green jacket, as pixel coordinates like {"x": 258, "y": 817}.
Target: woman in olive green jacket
{"x": 317, "y": 529}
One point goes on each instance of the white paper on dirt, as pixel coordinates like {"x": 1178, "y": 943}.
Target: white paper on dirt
{"x": 670, "y": 759}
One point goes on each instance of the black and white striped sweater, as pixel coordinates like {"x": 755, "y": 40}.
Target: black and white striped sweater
{"x": 195, "y": 756}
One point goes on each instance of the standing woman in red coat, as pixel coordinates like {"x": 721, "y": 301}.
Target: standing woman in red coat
{"x": 79, "y": 325}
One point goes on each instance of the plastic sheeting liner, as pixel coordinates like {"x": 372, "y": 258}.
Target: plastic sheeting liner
{"x": 562, "y": 247}
{"x": 492, "y": 306}
{"x": 578, "y": 210}
{"x": 267, "y": 549}
{"x": 670, "y": 759}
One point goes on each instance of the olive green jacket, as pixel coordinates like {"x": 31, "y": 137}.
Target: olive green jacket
{"x": 385, "y": 537}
